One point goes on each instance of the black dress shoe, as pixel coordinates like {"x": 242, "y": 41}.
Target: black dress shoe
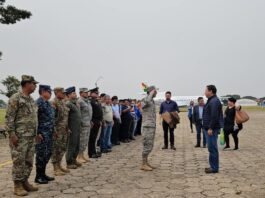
{"x": 104, "y": 151}
{"x": 165, "y": 147}
{"x": 41, "y": 180}
{"x": 236, "y": 148}
{"x": 210, "y": 171}
{"x": 49, "y": 178}
{"x": 197, "y": 146}
{"x": 173, "y": 148}
{"x": 226, "y": 147}
{"x": 118, "y": 143}
{"x": 94, "y": 156}
{"x": 99, "y": 154}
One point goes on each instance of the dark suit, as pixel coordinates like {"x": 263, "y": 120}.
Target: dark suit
{"x": 199, "y": 126}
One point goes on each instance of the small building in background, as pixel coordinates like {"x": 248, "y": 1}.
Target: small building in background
{"x": 247, "y": 103}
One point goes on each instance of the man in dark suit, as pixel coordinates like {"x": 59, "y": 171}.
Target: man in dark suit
{"x": 197, "y": 119}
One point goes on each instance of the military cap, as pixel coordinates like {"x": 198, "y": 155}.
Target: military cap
{"x": 69, "y": 90}
{"x": 95, "y": 90}
{"x": 45, "y": 88}
{"x": 58, "y": 89}
{"x": 27, "y": 78}
{"x": 151, "y": 88}
{"x": 83, "y": 90}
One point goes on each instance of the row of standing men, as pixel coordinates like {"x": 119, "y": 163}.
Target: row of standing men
{"x": 66, "y": 125}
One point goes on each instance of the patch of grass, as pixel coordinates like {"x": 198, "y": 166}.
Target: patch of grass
{"x": 256, "y": 108}
{"x": 183, "y": 109}
{"x": 2, "y": 116}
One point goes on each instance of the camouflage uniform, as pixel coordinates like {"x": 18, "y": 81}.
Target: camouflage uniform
{"x": 86, "y": 114}
{"x": 21, "y": 120}
{"x": 61, "y": 130}
{"x": 74, "y": 123}
{"x": 46, "y": 129}
{"x": 149, "y": 124}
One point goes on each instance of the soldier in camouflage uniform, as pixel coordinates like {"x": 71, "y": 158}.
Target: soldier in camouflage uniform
{"x": 86, "y": 115}
{"x": 60, "y": 136}
{"x": 21, "y": 125}
{"x": 149, "y": 126}
{"x": 45, "y": 134}
{"x": 74, "y": 123}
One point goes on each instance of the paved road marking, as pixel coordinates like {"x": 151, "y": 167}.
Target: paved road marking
{"x": 5, "y": 163}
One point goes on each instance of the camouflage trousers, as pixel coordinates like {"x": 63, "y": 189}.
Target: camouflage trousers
{"x": 84, "y": 137}
{"x": 23, "y": 156}
{"x": 149, "y": 138}
{"x": 59, "y": 147}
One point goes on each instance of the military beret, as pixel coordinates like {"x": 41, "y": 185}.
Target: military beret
{"x": 95, "y": 90}
{"x": 151, "y": 88}
{"x": 58, "y": 89}
{"x": 27, "y": 78}
{"x": 69, "y": 90}
{"x": 45, "y": 88}
{"x": 83, "y": 90}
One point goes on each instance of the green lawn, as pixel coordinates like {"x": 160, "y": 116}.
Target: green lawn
{"x": 2, "y": 116}
{"x": 256, "y": 108}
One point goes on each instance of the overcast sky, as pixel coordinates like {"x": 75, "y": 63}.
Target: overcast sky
{"x": 178, "y": 45}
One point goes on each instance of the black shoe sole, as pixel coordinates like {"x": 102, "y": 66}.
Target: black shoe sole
{"x": 37, "y": 182}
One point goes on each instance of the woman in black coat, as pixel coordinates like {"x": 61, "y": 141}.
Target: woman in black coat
{"x": 230, "y": 126}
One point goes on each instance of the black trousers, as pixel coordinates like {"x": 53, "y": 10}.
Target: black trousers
{"x": 234, "y": 135}
{"x": 191, "y": 123}
{"x": 115, "y": 136}
{"x": 92, "y": 139}
{"x": 167, "y": 129}
{"x": 125, "y": 127}
{"x": 138, "y": 130}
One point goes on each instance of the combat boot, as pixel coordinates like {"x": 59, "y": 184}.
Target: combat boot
{"x": 151, "y": 166}
{"x": 78, "y": 164}
{"x": 145, "y": 166}
{"x": 28, "y": 187}
{"x": 48, "y": 178}
{"x": 71, "y": 166}
{"x": 57, "y": 170}
{"x": 40, "y": 179}
{"x": 85, "y": 158}
{"x": 19, "y": 189}
{"x": 65, "y": 170}
{"x": 80, "y": 158}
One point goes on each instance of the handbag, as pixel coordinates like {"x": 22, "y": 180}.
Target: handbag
{"x": 241, "y": 117}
